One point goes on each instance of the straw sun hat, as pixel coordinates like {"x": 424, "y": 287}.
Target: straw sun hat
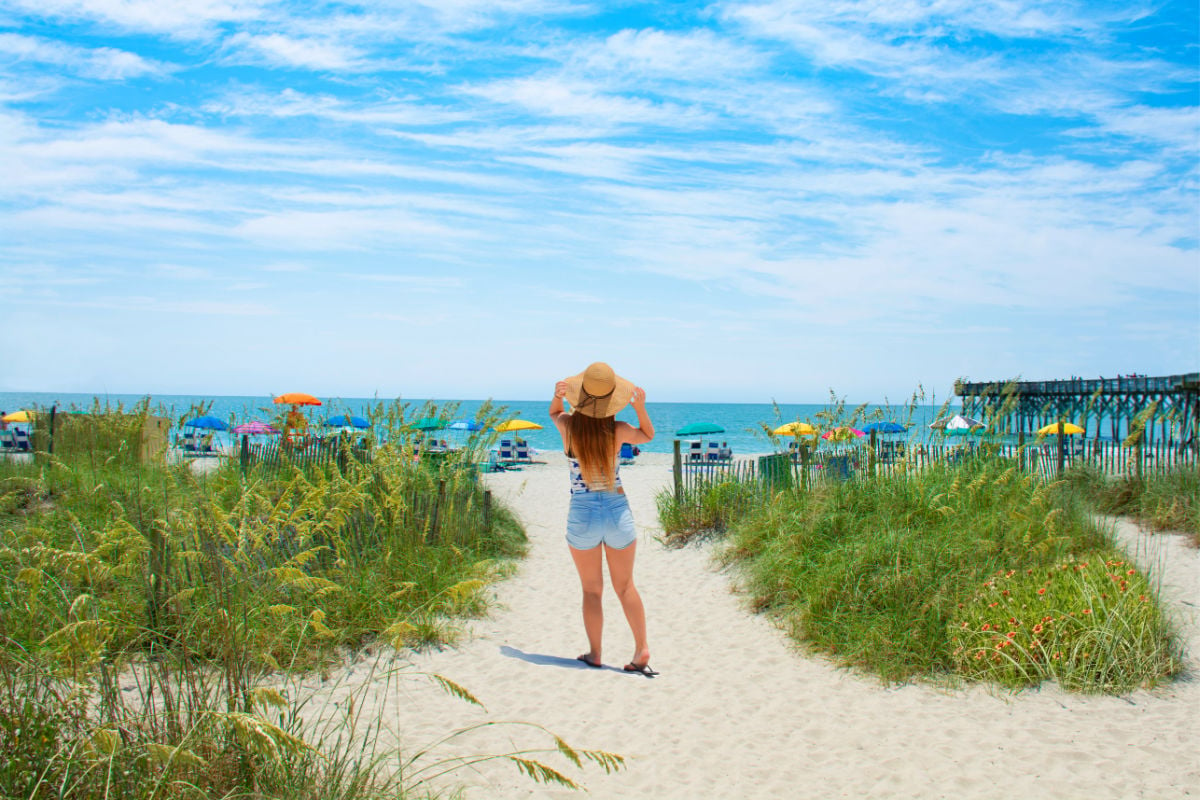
{"x": 598, "y": 391}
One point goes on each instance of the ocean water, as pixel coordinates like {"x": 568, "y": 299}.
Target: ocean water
{"x": 742, "y": 422}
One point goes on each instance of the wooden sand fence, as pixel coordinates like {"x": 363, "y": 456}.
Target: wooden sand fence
{"x": 1046, "y": 458}
{"x": 445, "y": 508}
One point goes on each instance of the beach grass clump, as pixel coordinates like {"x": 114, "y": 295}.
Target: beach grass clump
{"x": 878, "y": 572}
{"x": 1090, "y": 625}
{"x": 707, "y": 508}
{"x": 150, "y": 617}
{"x": 1162, "y": 501}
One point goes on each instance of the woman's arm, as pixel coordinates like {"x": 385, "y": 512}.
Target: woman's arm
{"x": 557, "y": 412}
{"x": 644, "y": 432}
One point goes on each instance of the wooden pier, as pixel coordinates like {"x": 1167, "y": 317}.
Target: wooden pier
{"x": 1165, "y": 408}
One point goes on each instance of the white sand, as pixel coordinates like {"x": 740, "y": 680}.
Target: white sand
{"x": 738, "y": 712}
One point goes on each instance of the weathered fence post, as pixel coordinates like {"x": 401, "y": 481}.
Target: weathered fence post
{"x": 244, "y": 455}
{"x": 804, "y": 466}
{"x": 677, "y": 470}
{"x": 50, "y": 445}
{"x": 487, "y": 510}
{"x": 1062, "y": 455}
{"x": 1021, "y": 450}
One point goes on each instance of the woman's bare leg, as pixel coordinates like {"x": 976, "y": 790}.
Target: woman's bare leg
{"x": 591, "y": 577}
{"x": 620, "y": 571}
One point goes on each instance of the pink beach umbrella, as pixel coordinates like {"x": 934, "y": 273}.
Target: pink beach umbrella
{"x": 255, "y": 428}
{"x": 842, "y": 434}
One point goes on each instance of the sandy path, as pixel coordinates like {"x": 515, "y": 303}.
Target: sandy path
{"x": 737, "y": 712}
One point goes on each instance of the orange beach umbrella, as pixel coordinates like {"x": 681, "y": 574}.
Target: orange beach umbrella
{"x": 297, "y": 399}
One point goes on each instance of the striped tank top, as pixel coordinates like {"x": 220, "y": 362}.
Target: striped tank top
{"x": 579, "y": 486}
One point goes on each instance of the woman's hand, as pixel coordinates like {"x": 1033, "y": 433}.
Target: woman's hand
{"x": 638, "y": 398}
{"x": 560, "y": 390}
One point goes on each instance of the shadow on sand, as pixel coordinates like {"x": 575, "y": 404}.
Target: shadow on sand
{"x": 551, "y": 661}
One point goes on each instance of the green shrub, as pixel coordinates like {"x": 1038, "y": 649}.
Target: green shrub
{"x": 878, "y": 572}
{"x": 1091, "y": 625}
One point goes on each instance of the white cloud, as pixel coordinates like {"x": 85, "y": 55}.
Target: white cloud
{"x": 279, "y": 50}
{"x": 102, "y": 63}
{"x": 185, "y": 19}
{"x": 575, "y": 99}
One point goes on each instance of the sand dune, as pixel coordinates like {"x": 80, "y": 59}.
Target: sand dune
{"x": 738, "y": 712}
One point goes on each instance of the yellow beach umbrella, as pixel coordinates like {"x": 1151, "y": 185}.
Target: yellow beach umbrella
{"x": 794, "y": 429}
{"x": 18, "y": 416}
{"x": 517, "y": 425}
{"x": 1051, "y": 429}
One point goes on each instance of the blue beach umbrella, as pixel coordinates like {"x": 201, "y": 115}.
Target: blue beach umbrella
{"x": 699, "y": 429}
{"x": 465, "y": 425}
{"x": 428, "y": 424}
{"x": 211, "y": 423}
{"x": 347, "y": 421}
{"x": 884, "y": 427}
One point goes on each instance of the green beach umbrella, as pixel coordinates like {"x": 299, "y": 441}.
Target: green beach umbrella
{"x": 699, "y": 429}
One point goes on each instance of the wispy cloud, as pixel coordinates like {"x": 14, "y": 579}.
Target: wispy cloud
{"x": 101, "y": 63}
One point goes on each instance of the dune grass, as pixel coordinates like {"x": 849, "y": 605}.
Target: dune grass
{"x": 888, "y": 574}
{"x": 150, "y": 619}
{"x": 1161, "y": 501}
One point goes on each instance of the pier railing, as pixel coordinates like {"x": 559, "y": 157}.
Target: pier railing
{"x": 1135, "y": 384}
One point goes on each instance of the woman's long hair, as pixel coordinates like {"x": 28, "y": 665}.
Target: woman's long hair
{"x": 593, "y": 443}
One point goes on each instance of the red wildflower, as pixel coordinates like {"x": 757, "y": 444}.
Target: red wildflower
{"x": 1011, "y": 634}
{"x": 1087, "y": 611}
{"x": 1131, "y": 572}
{"x": 1037, "y": 628}
{"x": 1042, "y": 590}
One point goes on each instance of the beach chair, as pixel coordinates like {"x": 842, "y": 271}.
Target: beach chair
{"x": 626, "y": 454}
{"x": 725, "y": 452}
{"x": 522, "y": 452}
{"x": 506, "y": 451}
{"x": 695, "y": 450}
{"x": 837, "y": 467}
{"x": 7, "y": 440}
{"x": 21, "y": 441}
{"x": 712, "y": 452}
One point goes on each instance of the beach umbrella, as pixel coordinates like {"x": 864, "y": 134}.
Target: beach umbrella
{"x": 699, "y": 429}
{"x": 465, "y": 425}
{"x": 428, "y": 424}
{"x": 254, "y": 428}
{"x": 297, "y": 399}
{"x": 1051, "y": 429}
{"x": 517, "y": 425}
{"x": 208, "y": 422}
{"x": 842, "y": 434}
{"x": 794, "y": 429}
{"x": 957, "y": 424}
{"x": 884, "y": 427}
{"x": 18, "y": 416}
{"x": 347, "y": 421}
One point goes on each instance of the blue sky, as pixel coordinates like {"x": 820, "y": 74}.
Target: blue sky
{"x": 729, "y": 201}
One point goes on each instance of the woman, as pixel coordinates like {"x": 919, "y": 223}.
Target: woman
{"x": 599, "y": 524}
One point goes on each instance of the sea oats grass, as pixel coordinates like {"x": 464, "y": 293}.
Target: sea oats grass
{"x": 883, "y": 572}
{"x": 150, "y": 615}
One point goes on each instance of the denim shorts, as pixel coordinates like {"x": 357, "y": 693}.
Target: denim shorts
{"x": 600, "y": 517}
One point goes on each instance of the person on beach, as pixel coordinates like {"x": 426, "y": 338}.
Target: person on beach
{"x": 599, "y": 523}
